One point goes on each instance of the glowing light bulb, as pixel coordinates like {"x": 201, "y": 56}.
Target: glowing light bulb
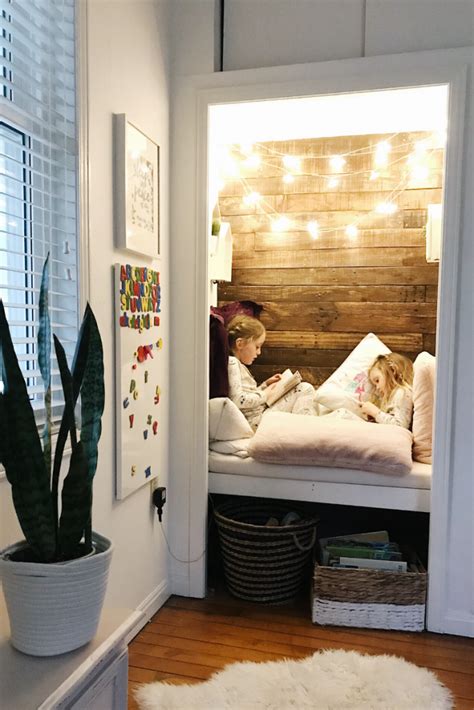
{"x": 292, "y": 162}
{"x": 337, "y": 162}
{"x": 421, "y": 146}
{"x": 280, "y": 224}
{"x": 246, "y": 148}
{"x": 386, "y": 208}
{"x": 419, "y": 172}
{"x": 313, "y": 229}
{"x": 381, "y": 153}
{"x": 253, "y": 161}
{"x": 352, "y": 231}
{"x": 288, "y": 178}
{"x": 374, "y": 175}
{"x": 252, "y": 198}
{"x": 334, "y": 182}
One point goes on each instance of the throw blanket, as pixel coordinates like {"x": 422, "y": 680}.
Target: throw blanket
{"x": 284, "y": 438}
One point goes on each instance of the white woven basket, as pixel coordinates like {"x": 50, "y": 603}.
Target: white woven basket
{"x": 370, "y": 616}
{"x": 55, "y": 608}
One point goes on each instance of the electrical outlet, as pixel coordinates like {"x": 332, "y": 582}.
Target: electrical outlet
{"x": 154, "y": 483}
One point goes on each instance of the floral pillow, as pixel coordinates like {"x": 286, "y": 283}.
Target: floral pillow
{"x": 350, "y": 384}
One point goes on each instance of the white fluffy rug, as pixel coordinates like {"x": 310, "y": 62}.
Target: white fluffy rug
{"x": 328, "y": 680}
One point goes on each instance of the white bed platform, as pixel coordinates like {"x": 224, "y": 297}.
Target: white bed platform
{"x": 231, "y": 475}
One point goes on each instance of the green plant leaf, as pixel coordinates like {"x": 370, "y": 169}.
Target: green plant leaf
{"x": 76, "y": 504}
{"x": 22, "y": 454}
{"x": 78, "y": 368}
{"x": 92, "y": 397}
{"x": 44, "y": 360}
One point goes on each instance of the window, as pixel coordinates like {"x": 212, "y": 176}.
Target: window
{"x": 38, "y": 176}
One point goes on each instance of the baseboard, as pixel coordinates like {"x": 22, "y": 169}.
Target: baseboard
{"x": 456, "y": 624}
{"x": 149, "y": 606}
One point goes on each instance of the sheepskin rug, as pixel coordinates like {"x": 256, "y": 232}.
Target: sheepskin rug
{"x": 328, "y": 680}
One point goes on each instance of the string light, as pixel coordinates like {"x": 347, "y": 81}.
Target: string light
{"x": 381, "y": 153}
{"x": 281, "y": 224}
{"x": 416, "y": 171}
{"x": 386, "y": 208}
{"x": 252, "y": 198}
{"x": 292, "y": 162}
{"x": 352, "y": 231}
{"x": 313, "y": 229}
{"x": 253, "y": 161}
{"x": 337, "y": 162}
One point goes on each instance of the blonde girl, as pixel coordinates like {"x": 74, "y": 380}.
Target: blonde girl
{"x": 392, "y": 377}
{"x": 246, "y": 337}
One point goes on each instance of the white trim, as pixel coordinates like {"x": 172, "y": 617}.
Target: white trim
{"x": 188, "y": 435}
{"x": 445, "y": 357}
{"x": 364, "y": 496}
{"x": 154, "y": 601}
{"x": 82, "y": 132}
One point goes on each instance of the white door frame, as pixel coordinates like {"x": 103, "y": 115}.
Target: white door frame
{"x": 190, "y": 288}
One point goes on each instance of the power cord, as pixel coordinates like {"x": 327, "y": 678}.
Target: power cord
{"x": 210, "y": 518}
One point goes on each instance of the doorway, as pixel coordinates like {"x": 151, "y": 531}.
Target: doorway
{"x": 190, "y": 188}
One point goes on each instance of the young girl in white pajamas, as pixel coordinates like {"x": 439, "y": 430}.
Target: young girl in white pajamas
{"x": 392, "y": 377}
{"x": 246, "y": 337}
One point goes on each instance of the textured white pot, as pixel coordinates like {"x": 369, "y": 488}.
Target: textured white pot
{"x": 55, "y": 608}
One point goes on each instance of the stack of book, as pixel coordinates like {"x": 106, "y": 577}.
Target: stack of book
{"x": 371, "y": 550}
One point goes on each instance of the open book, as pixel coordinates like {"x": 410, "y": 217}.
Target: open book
{"x": 288, "y": 380}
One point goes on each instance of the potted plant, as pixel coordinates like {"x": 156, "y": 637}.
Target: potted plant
{"x": 54, "y": 581}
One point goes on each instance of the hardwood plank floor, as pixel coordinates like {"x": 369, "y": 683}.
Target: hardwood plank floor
{"x": 189, "y": 639}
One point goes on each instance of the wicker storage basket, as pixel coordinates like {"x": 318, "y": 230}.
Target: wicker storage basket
{"x": 369, "y": 598}
{"x": 262, "y": 563}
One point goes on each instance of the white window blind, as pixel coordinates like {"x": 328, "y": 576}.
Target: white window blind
{"x": 38, "y": 176}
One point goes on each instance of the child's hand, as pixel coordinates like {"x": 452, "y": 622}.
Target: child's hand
{"x": 271, "y": 380}
{"x": 368, "y": 409}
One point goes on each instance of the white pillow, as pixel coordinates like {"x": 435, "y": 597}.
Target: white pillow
{"x": 226, "y": 421}
{"x": 350, "y": 384}
{"x": 236, "y": 447}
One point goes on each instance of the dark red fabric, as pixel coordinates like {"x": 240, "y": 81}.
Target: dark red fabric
{"x": 247, "y": 308}
{"x": 219, "y": 343}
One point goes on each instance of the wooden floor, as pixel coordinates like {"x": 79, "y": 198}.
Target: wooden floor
{"x": 189, "y": 639}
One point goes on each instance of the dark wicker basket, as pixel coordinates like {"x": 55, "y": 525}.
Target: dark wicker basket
{"x": 262, "y": 563}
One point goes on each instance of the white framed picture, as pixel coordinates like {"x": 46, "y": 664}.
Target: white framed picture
{"x": 137, "y": 186}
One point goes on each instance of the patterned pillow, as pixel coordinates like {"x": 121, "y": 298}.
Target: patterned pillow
{"x": 350, "y": 384}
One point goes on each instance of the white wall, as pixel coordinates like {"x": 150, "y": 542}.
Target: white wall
{"x": 129, "y": 69}
{"x": 129, "y": 57}
{"x": 266, "y": 33}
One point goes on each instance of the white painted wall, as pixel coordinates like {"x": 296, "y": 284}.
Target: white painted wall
{"x": 265, "y": 33}
{"x": 129, "y": 69}
{"x": 128, "y": 65}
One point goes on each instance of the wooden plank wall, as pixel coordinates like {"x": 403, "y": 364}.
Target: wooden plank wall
{"x": 321, "y": 296}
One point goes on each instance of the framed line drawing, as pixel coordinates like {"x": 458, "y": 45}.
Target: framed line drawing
{"x": 137, "y": 187}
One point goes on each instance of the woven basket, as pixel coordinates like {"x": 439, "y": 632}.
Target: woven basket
{"x": 369, "y": 598}
{"x": 264, "y": 564}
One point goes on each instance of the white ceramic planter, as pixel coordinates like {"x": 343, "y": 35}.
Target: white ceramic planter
{"x": 55, "y": 608}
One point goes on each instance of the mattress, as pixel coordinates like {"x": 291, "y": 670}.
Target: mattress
{"x": 418, "y": 478}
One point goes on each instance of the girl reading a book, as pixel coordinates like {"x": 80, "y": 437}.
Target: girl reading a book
{"x": 246, "y": 337}
{"x": 392, "y": 403}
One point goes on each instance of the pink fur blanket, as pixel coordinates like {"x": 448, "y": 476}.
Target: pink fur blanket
{"x": 284, "y": 438}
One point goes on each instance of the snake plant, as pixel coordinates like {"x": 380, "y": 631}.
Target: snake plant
{"x": 30, "y": 468}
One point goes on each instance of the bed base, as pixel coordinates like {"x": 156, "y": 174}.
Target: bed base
{"x": 368, "y": 496}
